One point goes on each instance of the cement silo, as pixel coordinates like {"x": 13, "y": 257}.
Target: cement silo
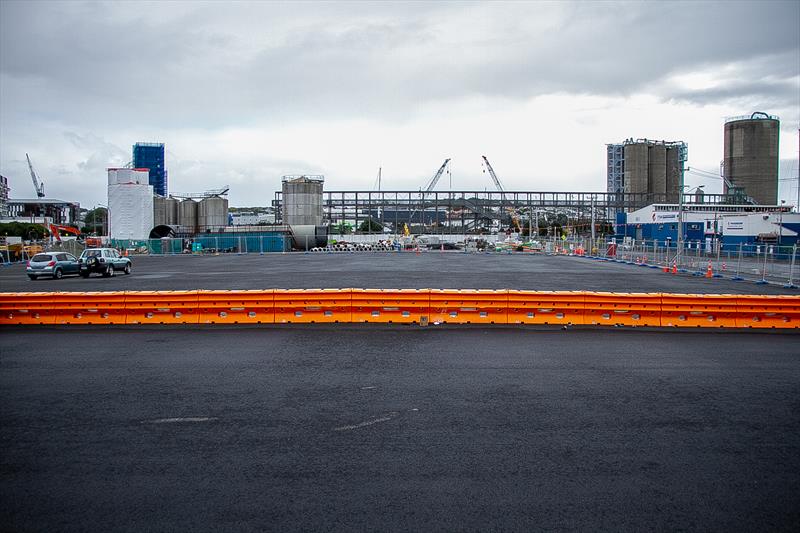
{"x": 673, "y": 173}
{"x": 657, "y": 171}
{"x": 302, "y": 210}
{"x": 751, "y": 156}
{"x": 159, "y": 210}
{"x": 302, "y": 200}
{"x": 187, "y": 215}
{"x": 212, "y": 213}
{"x": 636, "y": 168}
{"x": 171, "y": 211}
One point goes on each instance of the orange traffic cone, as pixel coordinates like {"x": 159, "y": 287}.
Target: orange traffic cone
{"x": 709, "y": 272}
{"x": 666, "y": 268}
{"x": 674, "y": 267}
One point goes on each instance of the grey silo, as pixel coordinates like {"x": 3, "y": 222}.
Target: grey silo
{"x": 212, "y": 212}
{"x": 636, "y": 168}
{"x": 302, "y": 200}
{"x": 751, "y": 156}
{"x": 673, "y": 173}
{"x": 657, "y": 169}
{"x": 187, "y": 215}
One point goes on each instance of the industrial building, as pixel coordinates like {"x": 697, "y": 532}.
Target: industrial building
{"x": 33, "y": 209}
{"x": 750, "y": 164}
{"x": 730, "y": 224}
{"x": 151, "y": 156}
{"x": 646, "y": 167}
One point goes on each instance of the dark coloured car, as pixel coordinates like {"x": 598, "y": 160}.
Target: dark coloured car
{"x": 52, "y": 264}
{"x": 105, "y": 261}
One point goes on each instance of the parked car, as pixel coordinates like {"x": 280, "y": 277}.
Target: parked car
{"x": 52, "y": 264}
{"x": 105, "y": 261}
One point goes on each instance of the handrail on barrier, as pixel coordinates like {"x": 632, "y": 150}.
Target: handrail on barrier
{"x": 421, "y": 306}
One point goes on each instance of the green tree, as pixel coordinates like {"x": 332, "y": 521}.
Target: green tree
{"x": 343, "y": 228}
{"x": 370, "y": 226}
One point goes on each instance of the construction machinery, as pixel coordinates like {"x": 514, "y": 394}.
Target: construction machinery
{"x": 36, "y": 182}
{"x": 55, "y": 230}
{"x": 429, "y": 187}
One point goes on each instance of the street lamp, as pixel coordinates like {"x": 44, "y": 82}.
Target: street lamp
{"x": 780, "y": 225}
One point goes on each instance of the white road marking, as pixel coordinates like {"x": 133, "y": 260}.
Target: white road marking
{"x": 181, "y": 419}
{"x": 369, "y": 388}
{"x": 384, "y": 418}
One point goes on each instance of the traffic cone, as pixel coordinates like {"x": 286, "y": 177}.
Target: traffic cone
{"x": 666, "y": 267}
{"x": 674, "y": 267}
{"x": 724, "y": 267}
{"x": 418, "y": 249}
{"x": 709, "y": 271}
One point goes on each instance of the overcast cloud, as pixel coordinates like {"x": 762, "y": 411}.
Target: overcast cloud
{"x": 242, "y": 93}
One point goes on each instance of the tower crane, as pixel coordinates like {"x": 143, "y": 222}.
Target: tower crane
{"x": 39, "y": 187}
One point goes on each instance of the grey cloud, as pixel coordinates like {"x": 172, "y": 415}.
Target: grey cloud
{"x": 365, "y": 59}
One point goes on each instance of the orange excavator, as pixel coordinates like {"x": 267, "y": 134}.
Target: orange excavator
{"x": 55, "y": 230}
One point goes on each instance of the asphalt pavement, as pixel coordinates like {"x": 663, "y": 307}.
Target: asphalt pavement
{"x": 373, "y": 428}
{"x": 386, "y": 270}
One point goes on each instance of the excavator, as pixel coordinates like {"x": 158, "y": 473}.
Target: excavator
{"x": 55, "y": 230}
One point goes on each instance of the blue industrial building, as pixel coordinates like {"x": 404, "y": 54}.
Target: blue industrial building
{"x": 151, "y": 156}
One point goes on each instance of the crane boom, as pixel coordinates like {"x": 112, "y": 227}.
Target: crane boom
{"x": 435, "y": 178}
{"x": 493, "y": 175}
{"x": 39, "y": 188}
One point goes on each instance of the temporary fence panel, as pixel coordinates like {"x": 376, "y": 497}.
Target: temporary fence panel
{"x": 622, "y": 309}
{"x": 768, "y": 312}
{"x": 468, "y": 306}
{"x": 236, "y": 307}
{"x": 26, "y": 308}
{"x": 89, "y": 307}
{"x": 391, "y": 305}
{"x": 545, "y": 307}
{"x": 312, "y": 305}
{"x": 699, "y": 310}
{"x": 161, "y": 307}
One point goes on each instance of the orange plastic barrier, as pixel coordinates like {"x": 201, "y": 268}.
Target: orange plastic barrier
{"x": 26, "y": 308}
{"x": 468, "y": 306}
{"x": 312, "y": 305}
{"x": 402, "y": 306}
{"x": 699, "y": 310}
{"x": 768, "y": 312}
{"x": 622, "y": 309}
{"x": 390, "y": 305}
{"x": 236, "y": 307}
{"x": 545, "y": 307}
{"x": 161, "y": 307}
{"x": 89, "y": 308}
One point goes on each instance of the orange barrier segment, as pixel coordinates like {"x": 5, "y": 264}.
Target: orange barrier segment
{"x": 699, "y": 310}
{"x": 161, "y": 307}
{"x": 454, "y": 306}
{"x": 89, "y": 307}
{"x": 390, "y": 305}
{"x": 236, "y": 307}
{"x": 768, "y": 312}
{"x": 545, "y": 307}
{"x": 312, "y": 305}
{"x": 622, "y": 309}
{"x": 27, "y": 308}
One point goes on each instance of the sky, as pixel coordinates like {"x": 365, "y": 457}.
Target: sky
{"x": 243, "y": 93}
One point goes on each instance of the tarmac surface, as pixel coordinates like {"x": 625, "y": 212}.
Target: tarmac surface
{"x": 386, "y": 270}
{"x": 398, "y": 428}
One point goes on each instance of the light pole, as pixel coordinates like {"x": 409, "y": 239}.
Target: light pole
{"x": 780, "y": 225}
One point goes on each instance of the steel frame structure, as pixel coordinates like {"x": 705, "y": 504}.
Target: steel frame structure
{"x": 474, "y": 211}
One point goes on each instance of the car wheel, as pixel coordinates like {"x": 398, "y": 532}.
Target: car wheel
{"x": 33, "y": 278}
{"x": 127, "y": 268}
{"x": 85, "y": 274}
{"x": 109, "y": 271}
{"x": 57, "y": 274}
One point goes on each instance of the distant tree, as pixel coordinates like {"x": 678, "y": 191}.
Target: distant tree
{"x": 343, "y": 228}
{"x": 370, "y": 226}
